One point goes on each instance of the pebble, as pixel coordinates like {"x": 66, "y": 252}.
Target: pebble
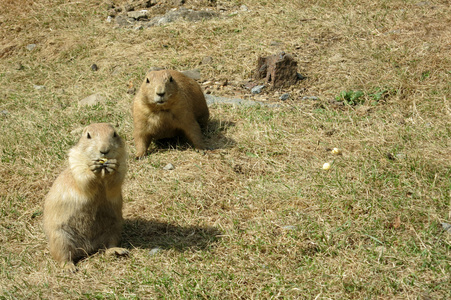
{"x": 236, "y": 101}
{"x": 138, "y": 15}
{"x": 169, "y": 167}
{"x": 39, "y": 87}
{"x": 257, "y": 89}
{"x": 30, "y": 47}
{"x": 244, "y": 8}
{"x": 310, "y": 98}
{"x": 447, "y": 227}
{"x": 154, "y": 251}
{"x": 194, "y": 74}
{"x": 300, "y": 76}
{"x": 326, "y": 166}
{"x": 289, "y": 227}
{"x": 284, "y": 96}
{"x": 4, "y": 113}
{"x": 94, "y": 67}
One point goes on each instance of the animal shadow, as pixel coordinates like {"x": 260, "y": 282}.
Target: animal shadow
{"x": 213, "y": 136}
{"x": 141, "y": 233}
{"x": 214, "y": 133}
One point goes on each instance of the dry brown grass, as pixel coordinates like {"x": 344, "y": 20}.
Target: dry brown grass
{"x": 257, "y": 217}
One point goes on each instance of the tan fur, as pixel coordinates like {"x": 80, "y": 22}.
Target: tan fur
{"x": 168, "y": 103}
{"x": 83, "y": 209}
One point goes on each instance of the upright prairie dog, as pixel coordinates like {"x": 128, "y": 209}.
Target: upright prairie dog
{"x": 83, "y": 209}
{"x": 168, "y": 103}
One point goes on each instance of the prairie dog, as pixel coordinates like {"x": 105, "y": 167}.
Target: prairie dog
{"x": 83, "y": 209}
{"x": 168, "y": 103}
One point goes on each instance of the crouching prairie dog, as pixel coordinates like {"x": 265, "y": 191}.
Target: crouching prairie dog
{"x": 83, "y": 209}
{"x": 167, "y": 104}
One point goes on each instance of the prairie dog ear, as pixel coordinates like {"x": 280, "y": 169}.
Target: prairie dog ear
{"x": 147, "y": 80}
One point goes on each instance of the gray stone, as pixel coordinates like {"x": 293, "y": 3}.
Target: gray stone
{"x": 30, "y": 47}
{"x": 138, "y": 15}
{"x": 143, "y": 16}
{"x": 168, "y": 167}
{"x": 289, "y": 227}
{"x": 447, "y": 227}
{"x": 257, "y": 89}
{"x": 4, "y": 113}
{"x": 38, "y": 87}
{"x": 236, "y": 101}
{"x": 284, "y": 96}
{"x": 194, "y": 74}
{"x": 310, "y": 98}
{"x": 123, "y": 21}
{"x": 154, "y": 251}
{"x": 92, "y": 100}
{"x": 94, "y": 67}
{"x": 244, "y": 8}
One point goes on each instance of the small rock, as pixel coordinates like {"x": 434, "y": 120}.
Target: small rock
{"x": 91, "y": 100}
{"x": 39, "y": 87}
{"x": 310, "y": 98}
{"x": 131, "y": 91}
{"x": 137, "y": 28}
{"x": 284, "y": 96}
{"x": 30, "y": 47}
{"x": 4, "y": 113}
{"x": 289, "y": 227}
{"x": 138, "y": 15}
{"x": 94, "y": 67}
{"x": 155, "y": 69}
{"x": 236, "y": 101}
{"x": 168, "y": 167}
{"x": 447, "y": 227}
{"x": 109, "y": 19}
{"x": 244, "y": 8}
{"x": 194, "y": 74}
{"x": 154, "y": 251}
{"x": 257, "y": 89}
{"x": 300, "y": 76}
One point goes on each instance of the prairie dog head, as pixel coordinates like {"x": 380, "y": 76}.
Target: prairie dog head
{"x": 159, "y": 86}
{"x": 99, "y": 141}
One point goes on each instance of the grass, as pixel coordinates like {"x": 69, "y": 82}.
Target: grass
{"x": 257, "y": 217}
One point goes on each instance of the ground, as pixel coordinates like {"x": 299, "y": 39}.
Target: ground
{"x": 257, "y": 216}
